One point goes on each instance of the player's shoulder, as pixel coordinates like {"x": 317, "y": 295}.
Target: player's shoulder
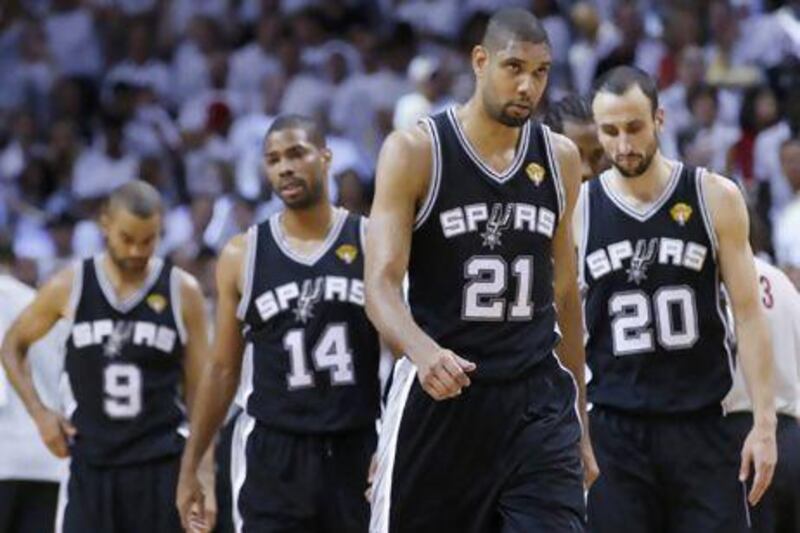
{"x": 409, "y": 146}
{"x": 723, "y": 198}
{"x": 187, "y": 282}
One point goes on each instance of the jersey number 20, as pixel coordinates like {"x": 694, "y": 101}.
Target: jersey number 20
{"x": 675, "y": 320}
{"x": 330, "y": 353}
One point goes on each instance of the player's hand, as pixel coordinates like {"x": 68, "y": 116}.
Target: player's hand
{"x": 761, "y": 451}
{"x": 444, "y": 374}
{"x": 191, "y": 502}
{"x": 591, "y": 471}
{"x": 55, "y": 431}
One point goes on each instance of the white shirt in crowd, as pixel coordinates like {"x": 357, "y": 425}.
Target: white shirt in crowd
{"x": 781, "y": 304}
{"x": 23, "y": 455}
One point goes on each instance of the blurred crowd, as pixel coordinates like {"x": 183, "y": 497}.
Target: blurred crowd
{"x": 180, "y": 92}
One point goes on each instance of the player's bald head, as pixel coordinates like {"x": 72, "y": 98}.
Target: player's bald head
{"x": 137, "y": 197}
{"x": 513, "y": 25}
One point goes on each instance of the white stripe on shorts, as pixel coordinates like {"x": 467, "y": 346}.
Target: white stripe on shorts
{"x": 404, "y": 374}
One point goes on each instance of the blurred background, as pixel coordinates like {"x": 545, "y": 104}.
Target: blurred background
{"x": 180, "y": 92}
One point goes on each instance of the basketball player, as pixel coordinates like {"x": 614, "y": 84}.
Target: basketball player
{"x": 572, "y": 116}
{"x": 137, "y": 338}
{"x": 781, "y": 304}
{"x": 481, "y": 432}
{"x": 655, "y": 239}
{"x": 291, "y": 298}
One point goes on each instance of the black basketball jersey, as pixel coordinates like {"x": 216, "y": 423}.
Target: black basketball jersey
{"x": 124, "y": 362}
{"x": 311, "y": 354}
{"x": 657, "y": 339}
{"x": 481, "y": 265}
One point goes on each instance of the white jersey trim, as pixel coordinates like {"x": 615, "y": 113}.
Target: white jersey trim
{"x": 107, "y": 288}
{"x": 642, "y": 216}
{"x": 176, "y": 302}
{"x": 241, "y": 433}
{"x": 339, "y": 218}
{"x": 248, "y": 271}
{"x": 516, "y": 163}
{"x": 561, "y": 193}
{"x": 435, "y": 179}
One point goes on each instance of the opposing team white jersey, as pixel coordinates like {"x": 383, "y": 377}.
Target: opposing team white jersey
{"x": 781, "y": 304}
{"x": 22, "y": 453}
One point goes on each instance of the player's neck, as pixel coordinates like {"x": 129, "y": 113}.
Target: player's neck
{"x": 308, "y": 224}
{"x": 485, "y": 133}
{"x": 648, "y": 186}
{"x": 124, "y": 283}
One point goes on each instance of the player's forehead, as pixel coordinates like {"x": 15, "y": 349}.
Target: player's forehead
{"x": 533, "y": 54}
{"x": 287, "y": 138}
{"x": 130, "y": 223}
{"x": 620, "y": 109}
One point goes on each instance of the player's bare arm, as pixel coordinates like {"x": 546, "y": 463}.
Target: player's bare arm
{"x": 402, "y": 178}
{"x": 729, "y": 215}
{"x": 49, "y": 306}
{"x": 197, "y": 348}
{"x": 218, "y": 380}
{"x": 566, "y": 294}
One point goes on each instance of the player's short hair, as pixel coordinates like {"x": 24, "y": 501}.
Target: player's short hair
{"x": 572, "y": 108}
{"x": 288, "y": 121}
{"x": 513, "y": 24}
{"x": 137, "y": 197}
{"x": 619, "y": 79}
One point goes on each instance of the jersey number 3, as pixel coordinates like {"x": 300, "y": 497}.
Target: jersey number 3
{"x": 331, "y": 353}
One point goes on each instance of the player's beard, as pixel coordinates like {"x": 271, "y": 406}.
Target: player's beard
{"x": 312, "y": 193}
{"x": 126, "y": 265}
{"x": 644, "y": 164}
{"x": 499, "y": 112}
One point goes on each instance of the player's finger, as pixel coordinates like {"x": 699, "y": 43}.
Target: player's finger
{"x": 455, "y": 371}
{"x": 68, "y": 429}
{"x": 451, "y": 386}
{"x": 761, "y": 482}
{"x": 744, "y": 469}
{"x": 466, "y": 366}
{"x": 434, "y": 386}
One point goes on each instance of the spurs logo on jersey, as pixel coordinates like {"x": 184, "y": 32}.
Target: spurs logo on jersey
{"x": 661, "y": 250}
{"x": 306, "y": 294}
{"x": 501, "y": 217}
{"x": 114, "y": 336}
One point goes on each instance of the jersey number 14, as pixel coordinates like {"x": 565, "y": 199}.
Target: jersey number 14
{"x": 331, "y": 353}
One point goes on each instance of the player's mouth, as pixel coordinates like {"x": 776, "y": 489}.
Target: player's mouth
{"x": 292, "y": 188}
{"x": 520, "y": 108}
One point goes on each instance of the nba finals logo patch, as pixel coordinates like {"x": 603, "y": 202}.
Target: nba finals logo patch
{"x": 535, "y": 172}
{"x": 157, "y": 302}
{"x": 681, "y": 213}
{"x": 347, "y": 253}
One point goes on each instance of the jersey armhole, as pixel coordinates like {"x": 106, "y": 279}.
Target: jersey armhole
{"x": 76, "y": 291}
{"x": 699, "y": 178}
{"x": 583, "y": 243}
{"x": 435, "y": 177}
{"x": 362, "y": 232}
{"x": 176, "y": 302}
{"x": 248, "y": 272}
{"x": 561, "y": 194}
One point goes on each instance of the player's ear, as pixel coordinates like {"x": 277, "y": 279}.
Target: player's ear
{"x": 326, "y": 155}
{"x": 480, "y": 59}
{"x": 105, "y": 218}
{"x": 658, "y": 118}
